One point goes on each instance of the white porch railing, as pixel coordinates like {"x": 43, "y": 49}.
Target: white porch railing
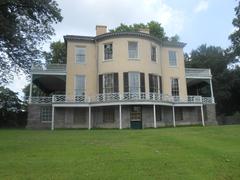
{"x": 49, "y": 68}
{"x": 70, "y": 99}
{"x": 40, "y": 100}
{"x": 125, "y": 97}
{"x": 197, "y": 72}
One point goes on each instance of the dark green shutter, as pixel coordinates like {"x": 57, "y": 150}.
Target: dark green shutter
{"x": 150, "y": 83}
{"x": 142, "y": 82}
{"x": 160, "y": 84}
{"x": 125, "y": 81}
{"x": 116, "y": 90}
{"x": 100, "y": 83}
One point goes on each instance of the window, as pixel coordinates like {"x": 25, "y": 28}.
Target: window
{"x": 108, "y": 51}
{"x": 46, "y": 114}
{"x": 108, "y": 83}
{"x": 153, "y": 83}
{"x": 132, "y": 50}
{"x": 80, "y": 55}
{"x": 153, "y": 53}
{"x": 108, "y": 114}
{"x": 175, "y": 87}
{"x": 158, "y": 113}
{"x": 179, "y": 113}
{"x": 134, "y": 82}
{"x": 172, "y": 58}
{"x": 80, "y": 85}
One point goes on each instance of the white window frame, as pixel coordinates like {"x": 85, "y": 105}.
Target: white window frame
{"x": 137, "y": 58}
{"x": 107, "y": 60}
{"x": 170, "y": 65}
{"x": 103, "y": 79}
{"x": 156, "y": 60}
{"x": 75, "y": 83}
{"x": 139, "y": 83}
{"x": 82, "y": 47}
{"x": 178, "y": 85}
{"x": 157, "y": 82}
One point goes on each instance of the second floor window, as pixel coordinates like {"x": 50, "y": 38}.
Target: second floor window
{"x": 132, "y": 50}
{"x": 108, "y": 51}
{"x": 134, "y": 82}
{"x": 175, "y": 87}
{"x": 153, "y": 53}
{"x": 172, "y": 58}
{"x": 80, "y": 55}
{"x": 79, "y": 85}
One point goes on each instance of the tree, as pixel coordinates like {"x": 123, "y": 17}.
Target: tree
{"x": 57, "y": 53}
{"x": 235, "y": 36}
{"x": 155, "y": 29}
{"x": 12, "y": 109}
{"x": 24, "y": 25}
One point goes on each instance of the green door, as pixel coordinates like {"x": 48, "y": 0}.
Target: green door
{"x": 136, "y": 117}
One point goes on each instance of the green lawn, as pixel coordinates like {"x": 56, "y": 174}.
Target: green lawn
{"x": 166, "y": 153}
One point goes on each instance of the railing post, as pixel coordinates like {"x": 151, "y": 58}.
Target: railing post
{"x": 30, "y": 92}
{"x": 52, "y": 128}
{"x": 173, "y": 114}
{"x": 154, "y": 116}
{"x": 120, "y": 116}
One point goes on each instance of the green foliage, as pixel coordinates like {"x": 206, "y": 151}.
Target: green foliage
{"x": 235, "y": 36}
{"x": 57, "y": 54}
{"x": 168, "y": 153}
{"x": 24, "y": 25}
{"x": 155, "y": 28}
{"x": 12, "y": 109}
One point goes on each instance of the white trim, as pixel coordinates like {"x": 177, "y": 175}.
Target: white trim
{"x": 107, "y": 60}
{"x": 211, "y": 87}
{"x": 198, "y": 77}
{"x": 138, "y": 53}
{"x": 173, "y": 115}
{"x": 120, "y": 116}
{"x": 203, "y": 123}
{"x": 154, "y": 116}
{"x": 52, "y": 126}
{"x": 49, "y": 73}
{"x": 75, "y": 53}
{"x": 89, "y": 117}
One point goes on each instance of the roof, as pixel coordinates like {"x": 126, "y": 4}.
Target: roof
{"x": 123, "y": 34}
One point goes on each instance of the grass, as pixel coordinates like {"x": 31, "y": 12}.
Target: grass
{"x": 167, "y": 153}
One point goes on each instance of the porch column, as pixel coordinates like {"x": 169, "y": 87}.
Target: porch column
{"x": 89, "y": 117}
{"x": 52, "y": 128}
{"x": 30, "y": 92}
{"x": 212, "y": 96}
{"x": 173, "y": 111}
{"x": 203, "y": 123}
{"x": 120, "y": 116}
{"x": 154, "y": 116}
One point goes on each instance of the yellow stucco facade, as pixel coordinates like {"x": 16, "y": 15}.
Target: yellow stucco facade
{"x": 120, "y": 63}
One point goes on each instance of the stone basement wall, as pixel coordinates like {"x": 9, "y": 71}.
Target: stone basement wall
{"x": 34, "y": 121}
{"x": 210, "y": 114}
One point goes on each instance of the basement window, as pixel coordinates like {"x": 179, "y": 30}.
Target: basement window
{"x": 46, "y": 114}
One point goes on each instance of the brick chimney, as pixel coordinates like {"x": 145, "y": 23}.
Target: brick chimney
{"x": 100, "y": 29}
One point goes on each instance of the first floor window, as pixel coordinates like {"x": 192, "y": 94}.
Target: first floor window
{"x": 46, "y": 113}
{"x": 108, "y": 51}
{"x": 172, "y": 57}
{"x": 175, "y": 86}
{"x": 108, "y": 83}
{"x": 80, "y": 55}
{"x": 108, "y": 114}
{"x": 153, "y": 83}
{"x": 80, "y": 85}
{"x": 134, "y": 82}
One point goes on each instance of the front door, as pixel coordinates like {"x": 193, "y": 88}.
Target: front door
{"x": 136, "y": 117}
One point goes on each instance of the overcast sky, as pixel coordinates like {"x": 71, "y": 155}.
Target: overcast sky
{"x": 195, "y": 21}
